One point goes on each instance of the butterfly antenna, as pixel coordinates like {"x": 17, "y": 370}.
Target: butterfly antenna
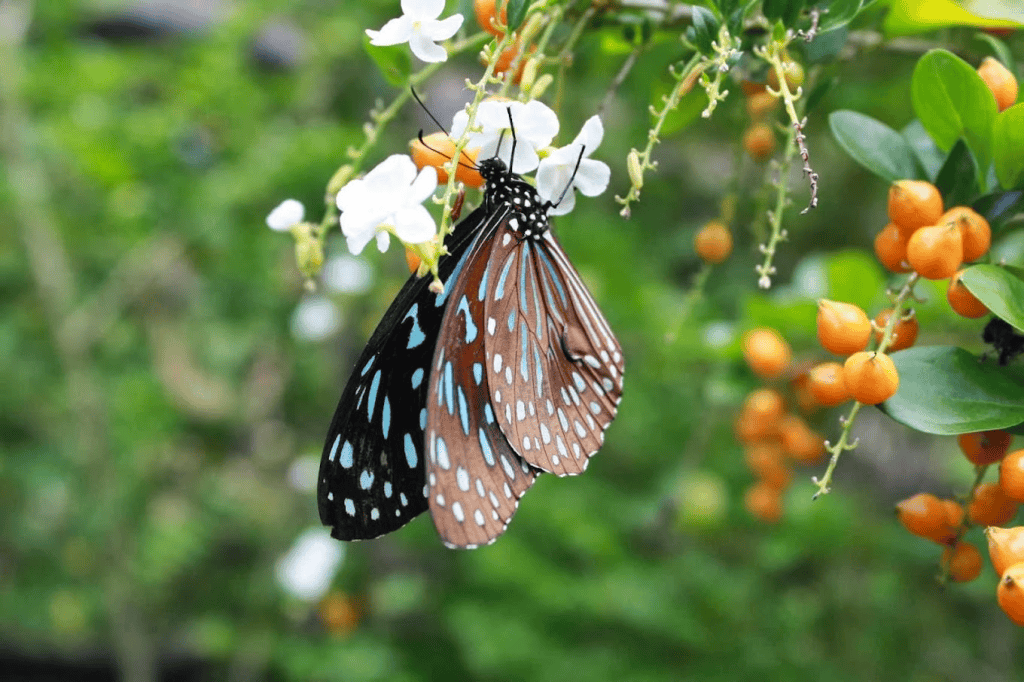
{"x": 568, "y": 185}
{"x": 440, "y": 127}
{"x": 512, "y": 129}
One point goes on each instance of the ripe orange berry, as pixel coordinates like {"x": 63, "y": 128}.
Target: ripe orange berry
{"x": 339, "y": 613}
{"x": 506, "y": 58}
{"x": 935, "y": 252}
{"x": 975, "y": 231}
{"x": 954, "y": 513}
{"x": 1000, "y": 81}
{"x": 1010, "y": 593}
{"x": 1005, "y": 546}
{"x": 759, "y": 104}
{"x": 801, "y": 388}
{"x": 914, "y": 204}
{"x": 799, "y": 441}
{"x": 766, "y": 462}
{"x": 1011, "y": 475}
{"x": 750, "y": 429}
{"x": 926, "y": 516}
{"x": 763, "y": 502}
{"x": 891, "y": 248}
{"x": 904, "y": 332}
{"x": 713, "y": 242}
{"x": 766, "y": 352}
{"x": 412, "y": 259}
{"x": 843, "y": 328}
{"x": 871, "y": 377}
{"x": 985, "y": 447}
{"x": 962, "y": 301}
{"x": 759, "y": 141}
{"x": 764, "y": 404}
{"x": 990, "y": 506}
{"x": 964, "y": 562}
{"x": 485, "y": 13}
{"x": 439, "y": 148}
{"x": 827, "y": 384}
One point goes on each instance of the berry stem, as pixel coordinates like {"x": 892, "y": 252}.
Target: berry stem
{"x": 965, "y": 523}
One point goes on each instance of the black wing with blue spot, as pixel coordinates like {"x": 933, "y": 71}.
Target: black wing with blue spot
{"x": 372, "y": 476}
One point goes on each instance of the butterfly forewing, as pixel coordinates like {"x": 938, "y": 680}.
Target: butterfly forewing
{"x": 554, "y": 365}
{"x": 372, "y": 478}
{"x": 474, "y": 477}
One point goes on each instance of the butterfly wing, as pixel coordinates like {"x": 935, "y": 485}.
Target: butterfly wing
{"x": 474, "y": 477}
{"x": 554, "y": 365}
{"x": 372, "y": 476}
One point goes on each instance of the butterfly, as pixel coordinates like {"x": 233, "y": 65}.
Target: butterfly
{"x": 461, "y": 399}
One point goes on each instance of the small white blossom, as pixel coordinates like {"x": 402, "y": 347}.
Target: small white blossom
{"x": 307, "y": 569}
{"x": 558, "y": 168}
{"x": 388, "y": 200}
{"x": 289, "y": 212}
{"x": 315, "y": 319}
{"x": 535, "y": 126}
{"x": 419, "y": 27}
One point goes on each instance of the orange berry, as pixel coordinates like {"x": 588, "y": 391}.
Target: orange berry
{"x": 975, "y": 231}
{"x": 412, "y": 259}
{"x": 436, "y": 152}
{"x": 763, "y": 502}
{"x": 985, "y": 447}
{"x": 339, "y": 613}
{"x": 891, "y": 248}
{"x": 904, "y": 332}
{"x": 1000, "y": 81}
{"x": 764, "y": 404}
{"x": 1011, "y": 475}
{"x": 870, "y": 377}
{"x": 1005, "y": 546}
{"x": 962, "y": 301}
{"x": 485, "y": 13}
{"x": 766, "y": 352}
{"x": 843, "y": 328}
{"x": 914, "y": 204}
{"x": 713, "y": 242}
{"x": 799, "y": 441}
{"x": 964, "y": 562}
{"x": 954, "y": 513}
{"x": 749, "y": 429}
{"x": 801, "y": 388}
{"x": 759, "y": 141}
{"x": 506, "y": 58}
{"x": 827, "y": 384}
{"x": 935, "y": 252}
{"x": 750, "y": 88}
{"x": 990, "y": 506}
{"x": 759, "y": 104}
{"x": 926, "y": 516}
{"x": 766, "y": 462}
{"x": 1010, "y": 593}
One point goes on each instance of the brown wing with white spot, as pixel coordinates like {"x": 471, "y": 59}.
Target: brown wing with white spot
{"x": 555, "y": 369}
{"x": 474, "y": 478}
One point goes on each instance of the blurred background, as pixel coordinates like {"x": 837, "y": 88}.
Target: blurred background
{"x": 168, "y": 378}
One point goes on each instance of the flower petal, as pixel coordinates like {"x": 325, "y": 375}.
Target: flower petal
{"x": 392, "y": 33}
{"x": 420, "y": 10}
{"x": 423, "y": 186}
{"x": 356, "y": 239}
{"x": 397, "y": 169}
{"x": 459, "y": 121}
{"x": 414, "y": 225}
{"x": 444, "y": 29}
{"x": 289, "y": 212}
{"x": 568, "y": 203}
{"x": 536, "y": 122}
{"x": 383, "y": 240}
{"x": 590, "y": 135}
{"x": 592, "y": 177}
{"x": 425, "y": 49}
{"x": 552, "y": 179}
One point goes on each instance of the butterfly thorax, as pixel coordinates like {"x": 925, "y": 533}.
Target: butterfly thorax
{"x": 507, "y": 193}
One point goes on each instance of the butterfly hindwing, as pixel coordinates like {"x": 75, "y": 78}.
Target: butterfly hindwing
{"x": 474, "y": 477}
{"x": 372, "y": 477}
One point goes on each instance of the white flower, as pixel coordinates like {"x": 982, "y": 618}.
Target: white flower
{"x": 419, "y": 27}
{"x": 289, "y": 212}
{"x": 315, "y": 319}
{"x": 556, "y": 171}
{"x": 535, "y": 126}
{"x": 388, "y": 200}
{"x": 344, "y": 274}
{"x": 308, "y": 568}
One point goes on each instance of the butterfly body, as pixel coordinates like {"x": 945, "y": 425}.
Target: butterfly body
{"x": 461, "y": 399}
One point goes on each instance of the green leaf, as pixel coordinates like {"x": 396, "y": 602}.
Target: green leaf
{"x": 1008, "y": 146}
{"x": 785, "y": 11}
{"x": 916, "y": 16}
{"x": 393, "y": 61}
{"x": 1000, "y": 207}
{"x": 953, "y": 102}
{"x": 827, "y": 45}
{"x": 874, "y": 145}
{"x": 705, "y": 28}
{"x": 840, "y": 13}
{"x": 516, "y": 13}
{"x": 946, "y": 390}
{"x": 1001, "y": 51}
{"x": 1000, "y": 290}
{"x": 854, "y": 276}
{"x": 928, "y": 155}
{"x": 958, "y": 178}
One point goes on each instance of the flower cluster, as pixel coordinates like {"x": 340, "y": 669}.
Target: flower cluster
{"x": 419, "y": 26}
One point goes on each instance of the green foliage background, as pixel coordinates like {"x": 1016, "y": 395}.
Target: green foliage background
{"x": 154, "y": 398}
